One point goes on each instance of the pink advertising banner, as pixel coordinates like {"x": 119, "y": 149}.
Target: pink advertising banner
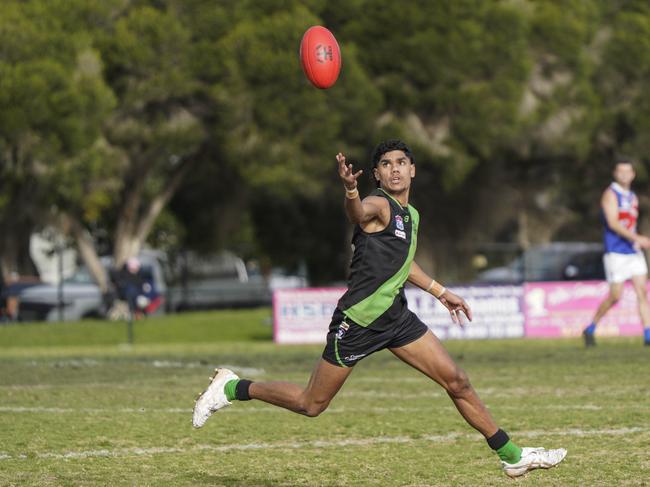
{"x": 303, "y": 315}
{"x": 563, "y": 309}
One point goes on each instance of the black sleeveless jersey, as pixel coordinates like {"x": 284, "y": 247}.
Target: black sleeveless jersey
{"x": 380, "y": 266}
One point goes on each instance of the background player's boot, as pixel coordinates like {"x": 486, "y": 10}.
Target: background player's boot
{"x": 588, "y": 335}
{"x": 532, "y": 458}
{"x": 213, "y": 398}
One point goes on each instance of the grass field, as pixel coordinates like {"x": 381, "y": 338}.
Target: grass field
{"x": 78, "y": 407}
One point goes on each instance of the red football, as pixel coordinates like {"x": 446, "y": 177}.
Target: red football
{"x": 320, "y": 57}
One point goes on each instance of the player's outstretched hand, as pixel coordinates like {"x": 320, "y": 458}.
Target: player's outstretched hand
{"x": 345, "y": 171}
{"x": 455, "y": 304}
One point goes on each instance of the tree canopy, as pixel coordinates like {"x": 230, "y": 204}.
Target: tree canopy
{"x": 189, "y": 124}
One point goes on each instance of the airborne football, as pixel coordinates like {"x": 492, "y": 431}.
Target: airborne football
{"x": 320, "y": 57}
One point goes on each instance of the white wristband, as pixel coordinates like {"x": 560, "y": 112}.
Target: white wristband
{"x": 436, "y": 289}
{"x": 351, "y": 193}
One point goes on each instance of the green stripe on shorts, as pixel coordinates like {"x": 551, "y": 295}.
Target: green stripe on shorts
{"x": 336, "y": 352}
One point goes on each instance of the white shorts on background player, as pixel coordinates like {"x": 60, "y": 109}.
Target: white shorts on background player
{"x": 621, "y": 267}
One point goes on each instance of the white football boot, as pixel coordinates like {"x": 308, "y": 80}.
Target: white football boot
{"x": 213, "y": 398}
{"x": 532, "y": 458}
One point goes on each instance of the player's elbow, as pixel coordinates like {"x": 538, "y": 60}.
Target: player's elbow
{"x": 313, "y": 412}
{"x": 354, "y": 220}
{"x": 313, "y": 409}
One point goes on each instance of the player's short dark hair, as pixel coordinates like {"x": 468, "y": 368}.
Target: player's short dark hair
{"x": 623, "y": 160}
{"x": 390, "y": 145}
{"x": 387, "y": 146}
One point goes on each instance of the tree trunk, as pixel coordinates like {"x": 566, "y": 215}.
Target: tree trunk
{"x": 15, "y": 259}
{"x": 86, "y": 247}
{"x": 18, "y": 218}
{"x": 124, "y": 245}
{"x": 539, "y": 225}
{"x": 14, "y": 256}
{"x": 134, "y": 226}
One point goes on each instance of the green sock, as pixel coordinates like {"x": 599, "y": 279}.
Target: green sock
{"x": 509, "y": 452}
{"x": 229, "y": 389}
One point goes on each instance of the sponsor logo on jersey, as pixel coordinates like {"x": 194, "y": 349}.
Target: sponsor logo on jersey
{"x": 399, "y": 223}
{"x": 400, "y": 234}
{"x": 343, "y": 327}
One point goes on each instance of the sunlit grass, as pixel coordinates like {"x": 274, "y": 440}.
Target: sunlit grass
{"x": 83, "y": 409}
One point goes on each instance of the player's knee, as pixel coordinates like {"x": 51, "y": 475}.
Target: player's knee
{"x": 458, "y": 384}
{"x": 615, "y": 293}
{"x": 642, "y": 297}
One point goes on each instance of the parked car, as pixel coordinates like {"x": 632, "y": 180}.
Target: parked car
{"x": 557, "y": 261}
{"x": 191, "y": 281}
{"x": 80, "y": 296}
{"x": 215, "y": 281}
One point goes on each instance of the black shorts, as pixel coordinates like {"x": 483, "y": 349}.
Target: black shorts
{"x": 347, "y": 342}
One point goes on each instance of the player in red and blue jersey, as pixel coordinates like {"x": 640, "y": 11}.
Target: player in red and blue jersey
{"x": 624, "y": 258}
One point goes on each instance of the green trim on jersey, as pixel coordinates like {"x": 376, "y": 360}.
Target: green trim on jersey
{"x": 369, "y": 309}
{"x": 392, "y": 198}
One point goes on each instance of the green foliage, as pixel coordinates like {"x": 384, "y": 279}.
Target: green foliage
{"x": 563, "y": 29}
{"x": 629, "y": 50}
{"x": 622, "y": 78}
{"x": 462, "y": 63}
{"x": 53, "y": 102}
{"x": 277, "y": 128}
{"x": 90, "y": 180}
{"x": 101, "y": 103}
{"x": 147, "y": 55}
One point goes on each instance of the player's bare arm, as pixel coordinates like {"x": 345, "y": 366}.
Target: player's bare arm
{"x": 609, "y": 205}
{"x": 451, "y": 301}
{"x": 372, "y": 213}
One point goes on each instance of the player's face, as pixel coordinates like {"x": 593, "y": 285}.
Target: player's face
{"x": 394, "y": 171}
{"x": 624, "y": 174}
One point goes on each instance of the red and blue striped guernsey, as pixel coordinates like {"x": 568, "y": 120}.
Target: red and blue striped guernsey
{"x": 628, "y": 213}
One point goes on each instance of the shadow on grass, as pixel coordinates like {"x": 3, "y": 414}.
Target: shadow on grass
{"x": 227, "y": 480}
{"x": 261, "y": 337}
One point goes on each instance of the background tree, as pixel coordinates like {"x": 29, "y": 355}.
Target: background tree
{"x": 111, "y": 110}
{"x": 273, "y": 177}
{"x": 53, "y": 101}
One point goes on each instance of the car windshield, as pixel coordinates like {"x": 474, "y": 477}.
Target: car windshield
{"x": 81, "y": 276}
